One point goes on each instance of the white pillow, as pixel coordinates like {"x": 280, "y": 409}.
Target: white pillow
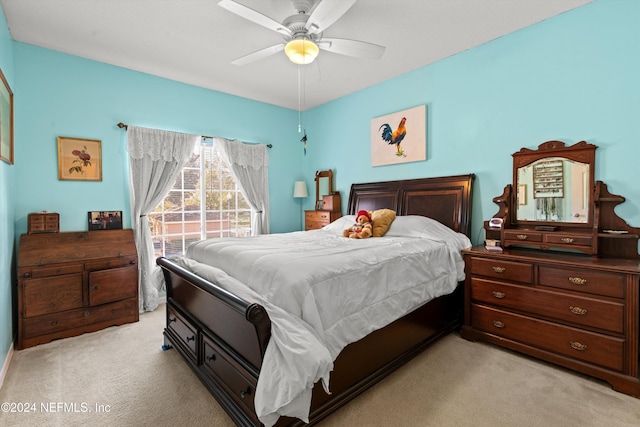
{"x": 421, "y": 226}
{"x": 340, "y": 224}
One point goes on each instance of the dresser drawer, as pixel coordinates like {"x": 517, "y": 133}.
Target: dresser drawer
{"x": 593, "y": 282}
{"x": 52, "y": 270}
{"x": 587, "y": 346}
{"x": 585, "y": 311}
{"x": 321, "y": 216}
{"x": 523, "y": 236}
{"x": 121, "y": 261}
{"x": 79, "y": 318}
{"x": 184, "y": 331}
{"x": 51, "y": 294}
{"x": 236, "y": 380}
{"x": 314, "y": 225}
{"x": 569, "y": 239}
{"x": 505, "y": 270}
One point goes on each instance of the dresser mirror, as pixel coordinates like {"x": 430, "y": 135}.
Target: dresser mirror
{"x": 324, "y": 185}
{"x": 553, "y": 185}
{"x": 554, "y": 203}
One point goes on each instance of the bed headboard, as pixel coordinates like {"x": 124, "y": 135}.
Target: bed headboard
{"x": 446, "y": 199}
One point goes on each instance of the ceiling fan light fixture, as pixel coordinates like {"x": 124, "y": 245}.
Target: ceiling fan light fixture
{"x": 301, "y": 51}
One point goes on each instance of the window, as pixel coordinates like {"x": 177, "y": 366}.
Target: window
{"x": 182, "y": 217}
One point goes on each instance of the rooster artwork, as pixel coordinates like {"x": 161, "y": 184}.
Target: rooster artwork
{"x": 395, "y": 137}
{"x": 399, "y": 137}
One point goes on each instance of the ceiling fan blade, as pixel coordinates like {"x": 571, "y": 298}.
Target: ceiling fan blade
{"x": 253, "y": 16}
{"x": 257, "y": 55}
{"x": 352, "y": 48}
{"x": 326, "y": 13}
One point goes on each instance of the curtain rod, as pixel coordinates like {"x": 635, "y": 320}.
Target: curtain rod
{"x": 122, "y": 125}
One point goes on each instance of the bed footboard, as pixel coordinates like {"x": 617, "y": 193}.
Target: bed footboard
{"x": 221, "y": 336}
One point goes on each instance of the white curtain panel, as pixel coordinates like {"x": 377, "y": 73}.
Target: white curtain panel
{"x": 156, "y": 157}
{"x": 249, "y": 167}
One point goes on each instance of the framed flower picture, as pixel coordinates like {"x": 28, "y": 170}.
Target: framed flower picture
{"x": 79, "y": 159}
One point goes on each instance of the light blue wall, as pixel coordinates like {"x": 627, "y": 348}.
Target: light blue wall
{"x": 63, "y": 95}
{"x": 573, "y": 77}
{"x": 7, "y": 202}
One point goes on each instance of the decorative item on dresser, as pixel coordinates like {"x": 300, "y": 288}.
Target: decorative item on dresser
{"x": 327, "y": 203}
{"x": 577, "y": 305}
{"x": 43, "y": 222}
{"x": 75, "y": 282}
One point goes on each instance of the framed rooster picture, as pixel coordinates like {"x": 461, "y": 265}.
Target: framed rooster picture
{"x": 399, "y": 137}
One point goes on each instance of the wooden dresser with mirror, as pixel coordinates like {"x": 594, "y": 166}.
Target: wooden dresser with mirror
{"x": 565, "y": 287}
{"x": 327, "y": 203}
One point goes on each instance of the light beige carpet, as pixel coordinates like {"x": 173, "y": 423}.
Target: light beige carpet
{"x": 121, "y": 377}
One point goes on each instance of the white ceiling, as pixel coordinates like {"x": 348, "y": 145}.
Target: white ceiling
{"x": 194, "y": 41}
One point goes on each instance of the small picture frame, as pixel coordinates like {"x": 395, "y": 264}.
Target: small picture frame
{"x": 105, "y": 220}
{"x": 6, "y": 121}
{"x": 79, "y": 159}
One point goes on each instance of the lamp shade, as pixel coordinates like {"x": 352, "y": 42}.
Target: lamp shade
{"x": 301, "y": 51}
{"x": 300, "y": 189}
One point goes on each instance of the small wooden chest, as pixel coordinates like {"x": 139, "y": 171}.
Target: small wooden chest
{"x": 43, "y": 222}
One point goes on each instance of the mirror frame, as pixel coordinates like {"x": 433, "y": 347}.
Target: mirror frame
{"x": 580, "y": 152}
{"x": 323, "y": 174}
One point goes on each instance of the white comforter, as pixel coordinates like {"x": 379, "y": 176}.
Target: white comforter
{"x": 323, "y": 291}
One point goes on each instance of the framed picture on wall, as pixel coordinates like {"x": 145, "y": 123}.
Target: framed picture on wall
{"x": 6, "y": 121}
{"x": 105, "y": 220}
{"x": 399, "y": 137}
{"x": 79, "y": 159}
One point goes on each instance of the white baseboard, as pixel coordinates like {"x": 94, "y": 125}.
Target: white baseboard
{"x": 5, "y": 365}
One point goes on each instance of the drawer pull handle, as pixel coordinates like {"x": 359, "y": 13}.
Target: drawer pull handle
{"x": 567, "y": 240}
{"x": 211, "y": 358}
{"x": 578, "y": 346}
{"x": 578, "y": 310}
{"x": 522, "y": 236}
{"x": 498, "y": 324}
{"x": 245, "y": 393}
{"x": 578, "y": 280}
{"x": 95, "y": 288}
{"x": 171, "y": 320}
{"x": 498, "y": 269}
{"x": 498, "y": 295}
{"x": 191, "y": 338}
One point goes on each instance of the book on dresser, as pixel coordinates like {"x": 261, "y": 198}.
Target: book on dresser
{"x": 75, "y": 282}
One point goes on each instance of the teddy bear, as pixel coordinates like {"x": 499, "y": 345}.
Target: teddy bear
{"x": 362, "y": 228}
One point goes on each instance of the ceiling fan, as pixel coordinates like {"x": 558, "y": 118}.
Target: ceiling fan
{"x": 302, "y": 32}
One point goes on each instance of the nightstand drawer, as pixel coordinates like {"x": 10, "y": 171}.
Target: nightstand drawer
{"x": 314, "y": 220}
{"x": 499, "y": 269}
{"x": 587, "y": 346}
{"x": 322, "y": 216}
{"x": 599, "y": 283}
{"x": 589, "y": 312}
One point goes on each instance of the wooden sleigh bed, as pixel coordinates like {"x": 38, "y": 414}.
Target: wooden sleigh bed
{"x": 223, "y": 337}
